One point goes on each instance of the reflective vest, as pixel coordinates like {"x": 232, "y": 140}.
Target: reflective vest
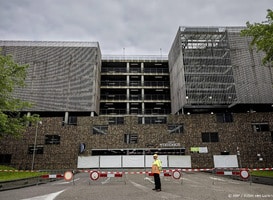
{"x": 157, "y": 166}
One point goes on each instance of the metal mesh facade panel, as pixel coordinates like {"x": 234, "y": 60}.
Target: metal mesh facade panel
{"x": 253, "y": 80}
{"x": 208, "y": 71}
{"x": 61, "y": 76}
{"x": 215, "y": 67}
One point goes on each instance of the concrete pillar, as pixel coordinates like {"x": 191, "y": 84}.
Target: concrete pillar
{"x": 66, "y": 115}
{"x": 128, "y": 108}
{"x": 127, "y": 67}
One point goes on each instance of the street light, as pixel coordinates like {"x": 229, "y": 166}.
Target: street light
{"x": 34, "y": 147}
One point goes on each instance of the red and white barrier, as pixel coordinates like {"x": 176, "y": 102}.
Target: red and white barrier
{"x": 162, "y": 174}
{"x": 175, "y": 173}
{"x": 52, "y": 176}
{"x": 242, "y": 172}
{"x": 95, "y": 175}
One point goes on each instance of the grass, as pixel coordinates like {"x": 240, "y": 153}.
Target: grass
{"x": 9, "y": 176}
{"x": 262, "y": 173}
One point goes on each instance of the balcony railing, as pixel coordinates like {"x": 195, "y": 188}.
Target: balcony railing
{"x": 134, "y": 70}
{"x": 113, "y": 97}
{"x": 132, "y": 111}
{"x": 135, "y": 97}
{"x": 113, "y": 70}
{"x": 139, "y": 58}
{"x": 156, "y": 70}
{"x": 136, "y": 83}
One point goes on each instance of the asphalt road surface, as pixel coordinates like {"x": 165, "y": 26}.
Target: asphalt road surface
{"x": 192, "y": 186}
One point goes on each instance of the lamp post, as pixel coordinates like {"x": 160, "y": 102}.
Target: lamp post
{"x": 35, "y": 142}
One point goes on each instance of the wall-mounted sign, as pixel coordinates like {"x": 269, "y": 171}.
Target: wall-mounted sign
{"x": 170, "y": 144}
{"x": 199, "y": 149}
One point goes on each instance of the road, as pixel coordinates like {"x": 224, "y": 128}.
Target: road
{"x": 193, "y": 186}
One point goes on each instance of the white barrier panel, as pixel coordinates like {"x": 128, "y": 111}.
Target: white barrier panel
{"x": 180, "y": 161}
{"x": 110, "y": 162}
{"x": 88, "y": 162}
{"x": 225, "y": 161}
{"x": 149, "y": 160}
{"x": 133, "y": 161}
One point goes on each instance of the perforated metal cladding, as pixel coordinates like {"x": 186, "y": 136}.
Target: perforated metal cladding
{"x": 59, "y": 78}
{"x": 215, "y": 66}
{"x": 253, "y": 80}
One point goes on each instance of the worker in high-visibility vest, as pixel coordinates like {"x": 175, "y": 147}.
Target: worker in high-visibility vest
{"x": 156, "y": 168}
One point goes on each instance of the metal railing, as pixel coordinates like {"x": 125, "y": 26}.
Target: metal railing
{"x": 135, "y": 58}
{"x": 136, "y": 83}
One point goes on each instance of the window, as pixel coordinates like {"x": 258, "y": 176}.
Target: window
{"x": 100, "y": 130}
{"x": 5, "y": 158}
{"x": 116, "y": 120}
{"x": 210, "y": 137}
{"x": 260, "y": 127}
{"x": 107, "y": 152}
{"x": 138, "y": 151}
{"x": 39, "y": 149}
{"x": 72, "y": 120}
{"x": 175, "y": 128}
{"x": 52, "y": 139}
{"x": 130, "y": 138}
{"x": 155, "y": 120}
{"x": 224, "y": 117}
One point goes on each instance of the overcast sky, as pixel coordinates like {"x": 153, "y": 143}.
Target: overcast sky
{"x": 138, "y": 27}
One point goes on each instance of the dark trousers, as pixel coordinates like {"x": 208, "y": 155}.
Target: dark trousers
{"x": 157, "y": 182}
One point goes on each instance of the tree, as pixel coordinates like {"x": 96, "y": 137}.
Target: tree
{"x": 12, "y": 75}
{"x": 262, "y": 34}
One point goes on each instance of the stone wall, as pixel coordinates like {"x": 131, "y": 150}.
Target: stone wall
{"x": 233, "y": 135}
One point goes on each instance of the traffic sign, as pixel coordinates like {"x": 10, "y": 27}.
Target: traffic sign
{"x": 94, "y": 175}
{"x": 176, "y": 174}
{"x": 68, "y": 176}
{"x": 244, "y": 174}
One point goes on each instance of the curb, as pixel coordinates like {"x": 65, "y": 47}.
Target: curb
{"x": 21, "y": 183}
{"x": 262, "y": 180}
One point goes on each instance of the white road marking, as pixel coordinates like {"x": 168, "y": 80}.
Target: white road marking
{"x": 46, "y": 197}
{"x": 149, "y": 179}
{"x": 218, "y": 179}
{"x": 106, "y": 181}
{"x": 225, "y": 180}
{"x": 65, "y": 182}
